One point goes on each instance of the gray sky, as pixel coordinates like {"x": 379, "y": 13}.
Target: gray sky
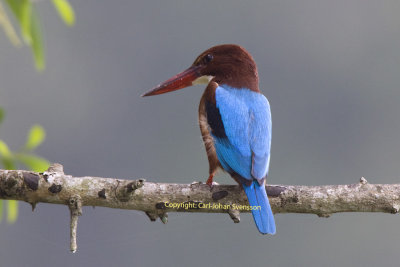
{"x": 330, "y": 70}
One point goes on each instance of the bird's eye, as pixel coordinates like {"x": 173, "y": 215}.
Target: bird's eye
{"x": 208, "y": 58}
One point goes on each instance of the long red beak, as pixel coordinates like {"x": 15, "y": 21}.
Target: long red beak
{"x": 179, "y": 81}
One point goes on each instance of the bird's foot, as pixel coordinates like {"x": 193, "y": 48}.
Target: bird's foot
{"x": 210, "y": 180}
{"x": 211, "y": 186}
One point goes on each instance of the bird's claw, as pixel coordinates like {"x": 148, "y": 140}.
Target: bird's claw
{"x": 211, "y": 185}
{"x": 210, "y": 180}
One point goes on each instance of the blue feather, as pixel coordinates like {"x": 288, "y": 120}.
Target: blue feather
{"x": 230, "y": 159}
{"x": 262, "y": 213}
{"x": 246, "y": 117}
{"x": 244, "y": 149}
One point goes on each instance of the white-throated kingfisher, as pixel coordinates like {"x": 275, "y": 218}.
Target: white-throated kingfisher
{"x": 235, "y": 121}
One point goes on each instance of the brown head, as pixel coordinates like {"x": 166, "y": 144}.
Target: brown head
{"x": 224, "y": 64}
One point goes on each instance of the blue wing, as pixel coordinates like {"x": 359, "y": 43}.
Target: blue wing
{"x": 246, "y": 118}
{"x": 245, "y": 147}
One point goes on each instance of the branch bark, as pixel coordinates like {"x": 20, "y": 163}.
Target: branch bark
{"x": 156, "y": 199}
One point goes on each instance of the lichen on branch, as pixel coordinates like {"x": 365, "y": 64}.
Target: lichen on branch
{"x": 158, "y": 199}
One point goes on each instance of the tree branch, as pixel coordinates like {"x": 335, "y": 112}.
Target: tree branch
{"x": 156, "y": 199}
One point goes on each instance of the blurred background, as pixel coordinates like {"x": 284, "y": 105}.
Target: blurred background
{"x": 330, "y": 70}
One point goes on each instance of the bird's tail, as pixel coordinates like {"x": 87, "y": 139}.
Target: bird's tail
{"x": 262, "y": 213}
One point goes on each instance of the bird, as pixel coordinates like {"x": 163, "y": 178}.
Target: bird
{"x": 235, "y": 122}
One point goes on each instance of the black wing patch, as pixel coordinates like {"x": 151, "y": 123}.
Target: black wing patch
{"x": 214, "y": 120}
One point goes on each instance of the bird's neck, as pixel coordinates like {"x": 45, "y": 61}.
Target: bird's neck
{"x": 245, "y": 79}
{"x": 209, "y": 93}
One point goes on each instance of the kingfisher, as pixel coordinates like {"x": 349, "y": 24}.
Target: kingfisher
{"x": 235, "y": 122}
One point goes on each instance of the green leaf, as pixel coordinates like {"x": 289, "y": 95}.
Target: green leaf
{"x": 8, "y": 163}
{"x": 65, "y": 11}
{"x": 2, "y": 113}
{"x": 37, "y": 42}
{"x": 8, "y": 27}
{"x": 35, "y": 137}
{"x": 15, "y": 6}
{"x": 12, "y": 211}
{"x": 4, "y": 150}
{"x": 28, "y": 20}
{"x": 25, "y": 21}
{"x": 35, "y": 163}
{"x": 22, "y": 10}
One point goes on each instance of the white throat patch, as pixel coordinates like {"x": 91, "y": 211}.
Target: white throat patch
{"x": 205, "y": 79}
